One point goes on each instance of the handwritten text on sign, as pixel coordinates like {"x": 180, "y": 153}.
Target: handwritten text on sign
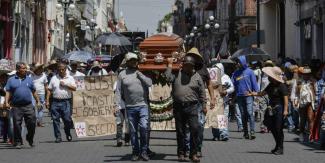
{"x": 93, "y": 111}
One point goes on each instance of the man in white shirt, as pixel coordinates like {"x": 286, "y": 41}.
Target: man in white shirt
{"x": 74, "y": 70}
{"x": 40, "y": 82}
{"x": 97, "y": 70}
{"x": 61, "y": 87}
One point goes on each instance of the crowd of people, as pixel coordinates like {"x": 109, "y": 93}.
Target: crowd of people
{"x": 30, "y": 89}
{"x": 279, "y": 95}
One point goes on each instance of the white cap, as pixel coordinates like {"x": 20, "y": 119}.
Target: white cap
{"x": 130, "y": 56}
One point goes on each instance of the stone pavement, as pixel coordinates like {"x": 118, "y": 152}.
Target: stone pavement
{"x": 236, "y": 150}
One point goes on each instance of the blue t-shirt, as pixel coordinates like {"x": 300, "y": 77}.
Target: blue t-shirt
{"x": 20, "y": 89}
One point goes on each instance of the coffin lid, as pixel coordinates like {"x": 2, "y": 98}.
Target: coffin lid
{"x": 162, "y": 40}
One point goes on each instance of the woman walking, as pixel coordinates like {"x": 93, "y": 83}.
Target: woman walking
{"x": 278, "y": 106}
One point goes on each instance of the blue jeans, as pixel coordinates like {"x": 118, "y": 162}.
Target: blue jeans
{"x": 293, "y": 117}
{"x": 245, "y": 104}
{"x": 4, "y": 127}
{"x": 202, "y": 121}
{"x": 222, "y": 133}
{"x": 40, "y": 111}
{"x": 61, "y": 109}
{"x": 238, "y": 117}
{"x": 138, "y": 117}
{"x": 322, "y": 133}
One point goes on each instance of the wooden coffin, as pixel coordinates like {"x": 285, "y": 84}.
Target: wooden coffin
{"x": 165, "y": 45}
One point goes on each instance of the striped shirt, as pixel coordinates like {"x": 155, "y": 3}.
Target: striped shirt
{"x": 320, "y": 90}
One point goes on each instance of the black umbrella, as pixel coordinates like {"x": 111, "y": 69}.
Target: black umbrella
{"x": 252, "y": 54}
{"x": 113, "y": 39}
{"x": 116, "y": 62}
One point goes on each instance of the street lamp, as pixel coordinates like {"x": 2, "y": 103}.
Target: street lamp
{"x": 202, "y": 30}
{"x": 211, "y": 18}
{"x": 207, "y": 26}
{"x": 65, "y": 4}
{"x": 211, "y": 22}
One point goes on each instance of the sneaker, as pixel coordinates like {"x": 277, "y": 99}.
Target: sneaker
{"x": 119, "y": 143}
{"x": 273, "y": 150}
{"x": 225, "y": 139}
{"x": 181, "y": 158}
{"x": 30, "y": 143}
{"x": 199, "y": 154}
{"x": 187, "y": 153}
{"x": 134, "y": 157}
{"x": 144, "y": 156}
{"x": 263, "y": 130}
{"x": 151, "y": 153}
{"x": 58, "y": 140}
{"x": 39, "y": 124}
{"x": 252, "y": 135}
{"x": 279, "y": 151}
{"x": 195, "y": 158}
{"x": 246, "y": 136}
{"x": 69, "y": 138}
{"x": 17, "y": 145}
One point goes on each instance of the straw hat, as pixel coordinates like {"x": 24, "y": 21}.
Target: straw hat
{"x": 194, "y": 52}
{"x": 268, "y": 63}
{"x": 83, "y": 65}
{"x": 96, "y": 64}
{"x": 274, "y": 72}
{"x": 304, "y": 70}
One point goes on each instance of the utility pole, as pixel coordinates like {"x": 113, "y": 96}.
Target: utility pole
{"x": 66, "y": 4}
{"x": 258, "y": 23}
{"x": 65, "y": 17}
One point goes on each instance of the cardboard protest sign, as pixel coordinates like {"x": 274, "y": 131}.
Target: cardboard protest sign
{"x": 212, "y": 115}
{"x": 7, "y": 65}
{"x": 222, "y": 122}
{"x": 80, "y": 82}
{"x": 215, "y": 75}
{"x": 93, "y": 107}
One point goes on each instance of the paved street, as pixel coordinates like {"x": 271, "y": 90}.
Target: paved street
{"x": 103, "y": 150}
